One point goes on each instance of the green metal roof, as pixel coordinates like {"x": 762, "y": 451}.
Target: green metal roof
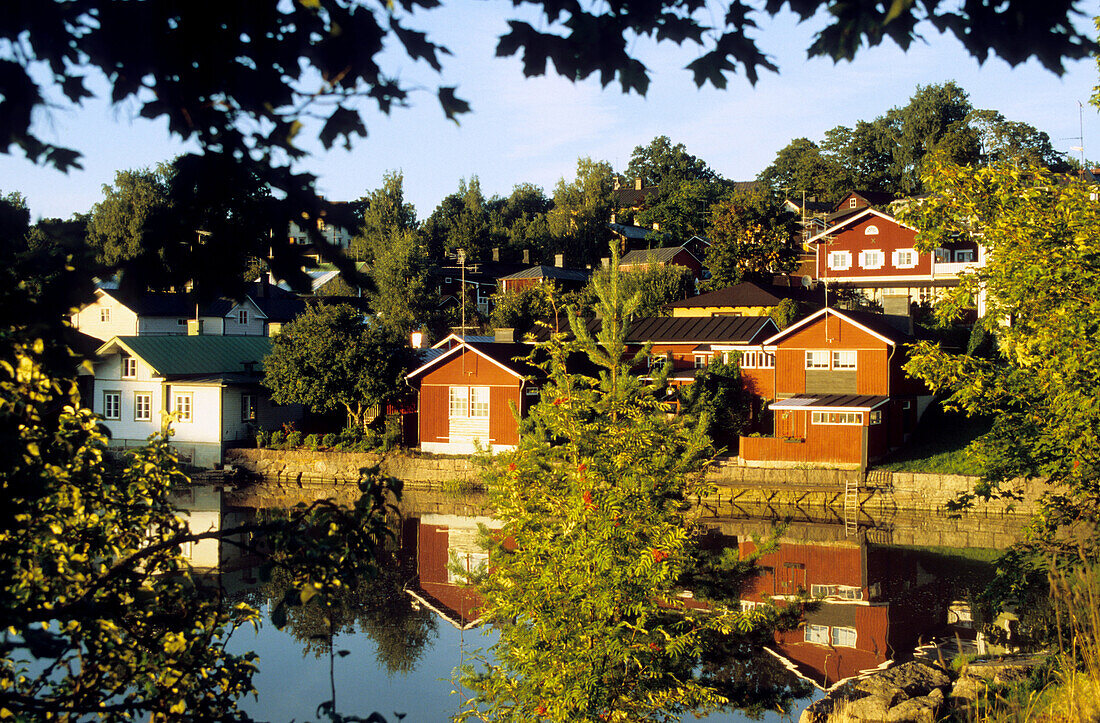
{"x": 184, "y": 355}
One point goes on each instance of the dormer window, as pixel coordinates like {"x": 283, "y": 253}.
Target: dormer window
{"x": 852, "y": 203}
{"x": 129, "y": 367}
{"x": 105, "y": 316}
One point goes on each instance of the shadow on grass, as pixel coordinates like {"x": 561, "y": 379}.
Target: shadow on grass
{"x": 939, "y": 445}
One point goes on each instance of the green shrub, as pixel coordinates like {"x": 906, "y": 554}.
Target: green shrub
{"x": 263, "y": 438}
{"x": 391, "y": 434}
{"x": 294, "y": 440}
{"x": 329, "y": 440}
{"x": 312, "y": 441}
{"x": 278, "y": 439}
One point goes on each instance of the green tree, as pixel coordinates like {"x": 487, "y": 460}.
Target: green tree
{"x": 594, "y": 549}
{"x": 519, "y": 310}
{"x": 934, "y": 120}
{"x": 582, "y": 210}
{"x": 1000, "y": 140}
{"x": 402, "y": 296}
{"x": 518, "y": 222}
{"x": 385, "y": 214}
{"x": 654, "y": 287}
{"x": 662, "y": 161}
{"x": 752, "y": 238}
{"x": 130, "y": 209}
{"x": 461, "y": 221}
{"x": 329, "y": 357}
{"x": 718, "y": 403}
{"x": 684, "y": 187}
{"x": 865, "y": 152}
{"x": 1041, "y": 380}
{"x": 801, "y": 167}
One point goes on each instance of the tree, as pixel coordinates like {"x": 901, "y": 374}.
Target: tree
{"x": 329, "y": 358}
{"x": 752, "y": 239}
{"x": 1000, "y": 140}
{"x": 461, "y": 221}
{"x": 1041, "y": 380}
{"x": 654, "y": 286}
{"x": 402, "y": 297}
{"x": 934, "y": 120}
{"x": 661, "y": 162}
{"x": 385, "y": 214}
{"x": 865, "y": 152}
{"x": 519, "y": 310}
{"x": 582, "y": 210}
{"x": 518, "y": 222}
{"x": 684, "y": 187}
{"x": 594, "y": 548}
{"x": 119, "y": 223}
{"x": 801, "y": 167}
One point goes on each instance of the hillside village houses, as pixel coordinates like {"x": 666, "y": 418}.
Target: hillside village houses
{"x": 830, "y": 388}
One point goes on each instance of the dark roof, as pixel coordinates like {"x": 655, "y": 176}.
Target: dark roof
{"x": 879, "y": 323}
{"x": 751, "y": 293}
{"x": 837, "y": 401}
{"x": 701, "y": 329}
{"x": 642, "y": 256}
{"x": 276, "y": 304}
{"x": 633, "y": 197}
{"x": 482, "y": 270}
{"x": 635, "y": 233}
{"x": 548, "y": 272}
{"x": 194, "y": 356}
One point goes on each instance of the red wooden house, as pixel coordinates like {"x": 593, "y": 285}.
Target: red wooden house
{"x": 467, "y": 395}
{"x": 870, "y": 251}
{"x": 841, "y": 396}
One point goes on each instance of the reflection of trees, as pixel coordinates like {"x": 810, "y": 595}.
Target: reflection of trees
{"x": 376, "y": 606}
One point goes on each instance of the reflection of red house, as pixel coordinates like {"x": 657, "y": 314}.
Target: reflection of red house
{"x": 467, "y": 395}
{"x": 841, "y": 395}
{"x": 442, "y": 542}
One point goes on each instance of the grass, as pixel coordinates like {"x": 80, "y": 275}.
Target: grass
{"x": 939, "y": 445}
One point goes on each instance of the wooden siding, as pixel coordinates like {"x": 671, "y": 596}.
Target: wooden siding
{"x": 503, "y": 427}
{"x": 760, "y": 382}
{"x": 871, "y": 373}
{"x": 434, "y": 425}
{"x": 469, "y": 368}
{"x": 854, "y": 239}
{"x": 826, "y": 381}
{"x": 832, "y": 564}
{"x": 836, "y": 444}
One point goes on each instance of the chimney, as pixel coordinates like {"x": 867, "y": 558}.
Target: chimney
{"x": 637, "y": 184}
{"x": 496, "y": 254}
{"x": 616, "y": 182}
{"x": 416, "y": 340}
{"x": 265, "y": 286}
{"x": 527, "y": 256}
{"x": 504, "y": 335}
{"x": 559, "y": 260}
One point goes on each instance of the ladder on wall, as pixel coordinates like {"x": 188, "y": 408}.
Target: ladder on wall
{"x": 851, "y": 507}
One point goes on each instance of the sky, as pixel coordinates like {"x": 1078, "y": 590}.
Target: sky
{"x": 534, "y": 130}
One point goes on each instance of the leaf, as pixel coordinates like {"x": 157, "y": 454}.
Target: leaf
{"x": 452, "y": 105}
{"x": 278, "y": 616}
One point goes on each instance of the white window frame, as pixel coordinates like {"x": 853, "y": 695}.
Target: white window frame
{"x": 964, "y": 256}
{"x": 468, "y": 402}
{"x": 942, "y": 255}
{"x": 112, "y": 405}
{"x": 875, "y": 418}
{"x": 872, "y": 259}
{"x": 843, "y": 637}
{"x": 128, "y": 366}
{"x": 183, "y": 406}
{"x": 701, "y": 361}
{"x": 818, "y": 634}
{"x": 911, "y": 255}
{"x": 105, "y": 315}
{"x": 846, "y": 359}
{"x": 839, "y": 418}
{"x": 852, "y": 202}
{"x": 248, "y": 407}
{"x": 817, "y": 358}
{"x": 143, "y": 407}
{"x": 839, "y": 260}
{"x": 871, "y": 230}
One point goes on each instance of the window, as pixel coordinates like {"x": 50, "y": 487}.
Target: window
{"x": 964, "y": 256}
{"x": 843, "y": 592}
{"x": 749, "y": 605}
{"x": 242, "y": 316}
{"x": 656, "y": 361}
{"x": 469, "y": 402}
{"x": 837, "y": 418}
{"x": 872, "y": 259}
{"x": 905, "y": 258}
{"x": 843, "y": 637}
{"x": 129, "y": 367}
{"x": 479, "y": 402}
{"x": 460, "y": 401}
{"x": 871, "y": 230}
{"x": 840, "y": 260}
{"x": 757, "y": 360}
{"x": 143, "y": 406}
{"x": 852, "y": 203}
{"x": 105, "y": 316}
{"x": 701, "y": 361}
{"x": 845, "y": 359}
{"x": 181, "y": 322}
{"x": 248, "y": 407}
{"x": 943, "y": 256}
{"x": 184, "y": 407}
{"x": 817, "y": 359}
{"x": 817, "y": 634}
{"x": 876, "y": 417}
{"x": 112, "y": 405}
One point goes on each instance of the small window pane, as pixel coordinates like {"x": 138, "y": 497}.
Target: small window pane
{"x": 817, "y": 360}
{"x": 843, "y": 637}
{"x": 112, "y": 405}
{"x": 183, "y": 407}
{"x": 459, "y": 402}
{"x": 844, "y": 359}
{"x": 143, "y": 407}
{"x": 129, "y": 367}
{"x": 817, "y": 634}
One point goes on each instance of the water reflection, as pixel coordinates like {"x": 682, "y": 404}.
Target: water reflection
{"x": 396, "y": 638}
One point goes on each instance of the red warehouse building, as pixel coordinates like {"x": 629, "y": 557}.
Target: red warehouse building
{"x": 841, "y": 395}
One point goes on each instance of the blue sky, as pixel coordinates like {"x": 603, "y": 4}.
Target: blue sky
{"x": 533, "y": 130}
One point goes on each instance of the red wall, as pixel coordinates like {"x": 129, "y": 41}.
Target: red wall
{"x": 469, "y": 369}
{"x": 891, "y": 236}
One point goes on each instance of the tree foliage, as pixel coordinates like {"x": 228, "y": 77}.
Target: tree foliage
{"x": 1041, "y": 380}
{"x": 652, "y": 286}
{"x": 752, "y": 238}
{"x": 329, "y": 358}
{"x": 385, "y": 214}
{"x": 582, "y": 209}
{"x": 585, "y": 574}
